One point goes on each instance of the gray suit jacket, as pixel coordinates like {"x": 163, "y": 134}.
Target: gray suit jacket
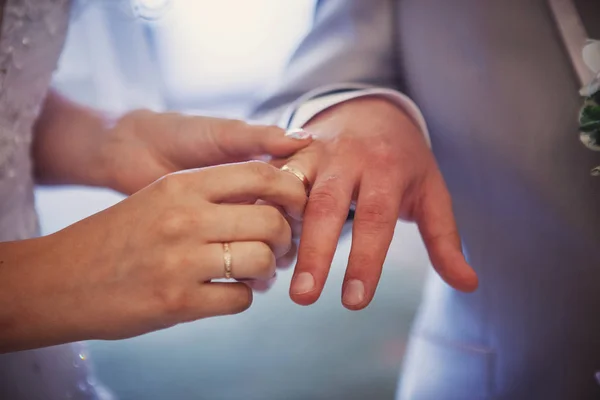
{"x": 501, "y": 99}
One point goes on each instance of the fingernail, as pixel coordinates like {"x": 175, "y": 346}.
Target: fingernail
{"x": 299, "y": 134}
{"x": 303, "y": 283}
{"x": 354, "y": 293}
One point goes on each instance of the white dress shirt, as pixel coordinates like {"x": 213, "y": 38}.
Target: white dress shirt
{"x": 318, "y": 100}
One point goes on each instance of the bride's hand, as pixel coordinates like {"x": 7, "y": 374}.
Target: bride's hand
{"x": 144, "y": 146}
{"x": 148, "y": 262}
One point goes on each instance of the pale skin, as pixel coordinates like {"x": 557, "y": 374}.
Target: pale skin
{"x": 369, "y": 151}
{"x": 148, "y": 262}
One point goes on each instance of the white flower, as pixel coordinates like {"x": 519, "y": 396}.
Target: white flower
{"x": 591, "y": 55}
{"x": 588, "y": 142}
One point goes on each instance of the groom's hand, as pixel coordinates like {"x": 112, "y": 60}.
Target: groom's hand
{"x": 369, "y": 150}
{"x": 144, "y": 146}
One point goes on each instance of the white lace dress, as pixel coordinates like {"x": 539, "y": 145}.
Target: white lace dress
{"x": 32, "y": 36}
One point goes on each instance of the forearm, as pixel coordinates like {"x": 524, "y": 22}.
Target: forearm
{"x": 68, "y": 144}
{"x": 29, "y": 317}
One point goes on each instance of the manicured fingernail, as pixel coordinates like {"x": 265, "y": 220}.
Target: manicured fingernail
{"x": 303, "y": 283}
{"x": 299, "y": 134}
{"x": 354, "y": 293}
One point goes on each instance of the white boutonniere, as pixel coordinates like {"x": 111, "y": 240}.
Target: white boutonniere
{"x": 589, "y": 116}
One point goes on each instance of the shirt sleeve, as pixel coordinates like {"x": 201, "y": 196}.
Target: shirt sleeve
{"x": 314, "y": 102}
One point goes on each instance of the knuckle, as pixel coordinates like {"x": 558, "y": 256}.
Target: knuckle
{"x": 265, "y": 261}
{"x": 264, "y": 173}
{"x": 383, "y": 157}
{"x": 275, "y": 221}
{"x": 373, "y": 217}
{"x": 345, "y": 143}
{"x": 282, "y": 227}
{"x": 323, "y": 202}
{"x": 374, "y": 211}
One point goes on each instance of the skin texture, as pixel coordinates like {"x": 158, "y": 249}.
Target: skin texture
{"x": 369, "y": 151}
{"x": 76, "y": 145}
{"x": 148, "y": 262}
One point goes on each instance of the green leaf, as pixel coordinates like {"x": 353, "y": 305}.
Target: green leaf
{"x": 590, "y": 127}
{"x": 589, "y": 113}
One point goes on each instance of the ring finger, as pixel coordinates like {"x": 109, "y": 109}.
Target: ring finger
{"x": 249, "y": 260}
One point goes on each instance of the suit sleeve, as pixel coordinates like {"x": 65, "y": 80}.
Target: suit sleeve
{"x": 348, "y": 53}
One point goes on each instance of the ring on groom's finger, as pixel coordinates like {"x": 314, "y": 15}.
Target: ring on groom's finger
{"x": 227, "y": 260}
{"x": 298, "y": 174}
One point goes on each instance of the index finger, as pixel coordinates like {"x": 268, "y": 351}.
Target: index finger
{"x": 251, "y": 181}
{"x": 324, "y": 218}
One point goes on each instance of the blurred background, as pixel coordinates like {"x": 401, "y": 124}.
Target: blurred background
{"x": 196, "y": 56}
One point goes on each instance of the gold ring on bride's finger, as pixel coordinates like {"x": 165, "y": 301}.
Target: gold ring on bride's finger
{"x": 298, "y": 174}
{"x": 227, "y": 260}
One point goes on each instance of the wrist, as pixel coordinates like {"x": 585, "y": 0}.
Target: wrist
{"x": 103, "y": 166}
{"x": 119, "y": 141}
{"x": 309, "y": 109}
{"x": 328, "y": 122}
{"x": 96, "y": 169}
{"x": 30, "y": 278}
{"x": 69, "y": 144}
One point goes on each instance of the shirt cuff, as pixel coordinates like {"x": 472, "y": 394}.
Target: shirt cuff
{"x": 307, "y": 108}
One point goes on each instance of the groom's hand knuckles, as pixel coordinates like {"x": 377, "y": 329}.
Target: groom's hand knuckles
{"x": 346, "y": 144}
{"x": 373, "y": 217}
{"x": 381, "y": 155}
{"x": 324, "y": 200}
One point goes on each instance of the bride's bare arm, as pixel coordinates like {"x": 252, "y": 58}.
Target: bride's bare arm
{"x": 68, "y": 144}
{"x": 148, "y": 262}
{"x": 77, "y": 145}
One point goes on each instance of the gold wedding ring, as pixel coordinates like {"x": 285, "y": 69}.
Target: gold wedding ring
{"x": 227, "y": 260}
{"x": 298, "y": 174}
